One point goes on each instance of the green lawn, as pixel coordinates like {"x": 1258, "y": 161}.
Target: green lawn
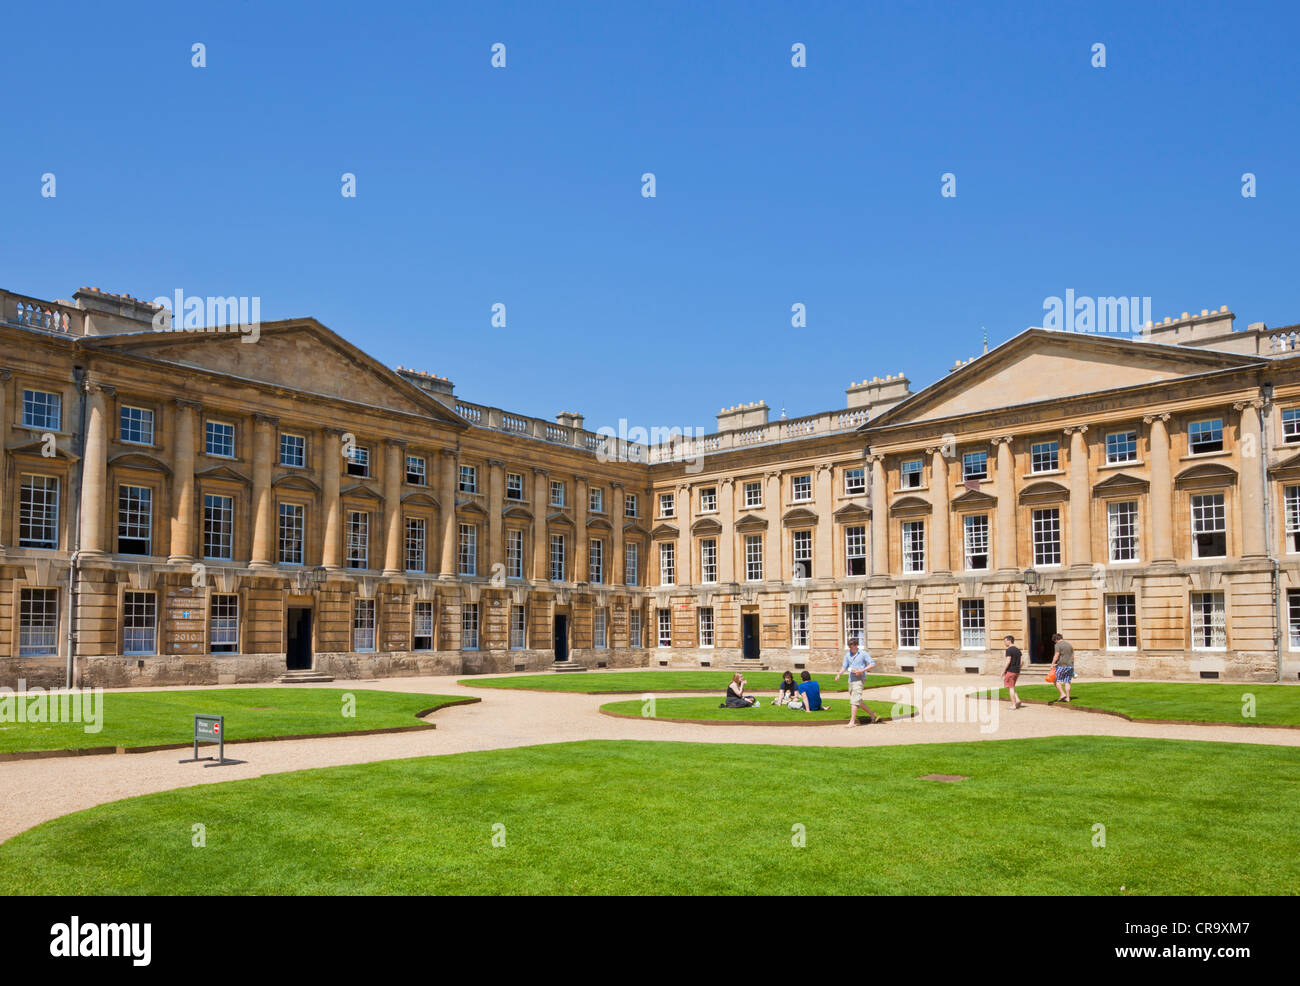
{"x": 156, "y": 718}
{"x": 644, "y": 682}
{"x": 706, "y": 709}
{"x": 1182, "y": 701}
{"x": 1180, "y": 818}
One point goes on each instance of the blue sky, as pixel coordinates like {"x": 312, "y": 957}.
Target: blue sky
{"x": 775, "y": 185}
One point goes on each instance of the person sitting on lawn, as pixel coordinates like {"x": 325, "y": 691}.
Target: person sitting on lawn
{"x": 787, "y": 690}
{"x": 811, "y": 693}
{"x": 736, "y": 697}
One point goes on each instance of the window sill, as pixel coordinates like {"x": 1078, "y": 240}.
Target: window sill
{"x": 1045, "y": 472}
{"x": 1136, "y": 463}
{"x": 910, "y": 489}
{"x": 1198, "y": 456}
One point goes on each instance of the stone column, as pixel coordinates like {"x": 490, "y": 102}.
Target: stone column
{"x": 447, "y": 562}
{"x": 685, "y": 543}
{"x": 616, "y": 573}
{"x": 496, "y": 543}
{"x": 394, "y": 472}
{"x": 581, "y": 571}
{"x": 1161, "y": 498}
{"x": 879, "y": 516}
{"x": 1252, "y": 479}
{"x": 1006, "y": 515}
{"x": 940, "y": 496}
{"x": 1080, "y": 498}
{"x": 773, "y": 567}
{"x": 824, "y": 503}
{"x": 94, "y": 481}
{"x": 541, "y": 501}
{"x": 4, "y": 440}
{"x": 264, "y": 429}
{"x": 727, "y": 539}
{"x": 183, "y": 505}
{"x": 331, "y": 465}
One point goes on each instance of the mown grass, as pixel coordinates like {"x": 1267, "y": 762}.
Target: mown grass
{"x": 644, "y": 682}
{"x": 1179, "y": 817}
{"x": 1192, "y": 701}
{"x": 706, "y": 710}
{"x": 157, "y": 718}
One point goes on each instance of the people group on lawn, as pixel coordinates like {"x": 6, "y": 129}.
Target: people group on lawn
{"x": 807, "y": 694}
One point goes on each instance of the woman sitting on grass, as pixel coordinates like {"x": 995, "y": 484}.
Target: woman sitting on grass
{"x": 787, "y": 691}
{"x": 736, "y": 698}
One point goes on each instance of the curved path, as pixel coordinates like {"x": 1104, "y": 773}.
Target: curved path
{"x": 33, "y": 791}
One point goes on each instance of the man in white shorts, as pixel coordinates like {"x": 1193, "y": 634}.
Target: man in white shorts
{"x": 857, "y": 663}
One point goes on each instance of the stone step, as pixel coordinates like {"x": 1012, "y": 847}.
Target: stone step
{"x": 563, "y": 666}
{"x": 748, "y": 666}
{"x": 300, "y": 677}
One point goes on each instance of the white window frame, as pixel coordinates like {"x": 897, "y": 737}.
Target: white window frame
{"x": 665, "y": 625}
{"x": 38, "y": 621}
{"x": 415, "y": 544}
{"x": 470, "y": 627}
{"x": 909, "y": 628}
{"x": 39, "y": 503}
{"x": 855, "y": 623}
{"x": 467, "y": 549}
{"x": 358, "y": 540}
{"x": 47, "y": 415}
{"x": 291, "y": 519}
{"x": 912, "y": 541}
{"x": 708, "y": 561}
{"x": 1121, "y": 621}
{"x": 1122, "y": 532}
{"x": 1045, "y": 535}
{"x": 855, "y": 481}
{"x": 139, "y": 623}
{"x": 704, "y": 620}
{"x": 975, "y": 541}
{"x": 753, "y": 558}
{"x": 1045, "y": 456}
{"x": 800, "y": 629}
{"x": 801, "y": 490}
{"x": 558, "y": 559}
{"x": 298, "y": 444}
{"x": 753, "y": 491}
{"x": 1213, "y": 604}
{"x": 972, "y": 621}
{"x": 215, "y": 433}
{"x": 142, "y": 422}
{"x": 667, "y": 562}
{"x": 1209, "y": 517}
{"x": 218, "y": 527}
{"x": 1125, "y": 441}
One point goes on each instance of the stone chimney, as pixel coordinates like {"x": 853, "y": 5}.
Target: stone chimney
{"x": 878, "y": 395}
{"x": 439, "y": 388}
{"x": 110, "y": 314}
{"x": 742, "y": 416}
{"x": 570, "y": 419}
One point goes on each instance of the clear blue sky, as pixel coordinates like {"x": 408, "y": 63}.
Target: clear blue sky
{"x": 775, "y": 185}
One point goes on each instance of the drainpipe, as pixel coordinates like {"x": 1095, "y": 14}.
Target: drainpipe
{"x": 79, "y": 447}
{"x": 1266, "y": 391}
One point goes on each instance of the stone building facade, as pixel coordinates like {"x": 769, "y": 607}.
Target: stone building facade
{"x": 219, "y": 506}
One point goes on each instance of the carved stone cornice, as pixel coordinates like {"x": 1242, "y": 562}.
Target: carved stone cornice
{"x": 1258, "y": 403}
{"x": 1073, "y": 429}
{"x": 1162, "y": 417}
{"x": 187, "y": 405}
{"x": 1001, "y": 440}
{"x": 875, "y": 457}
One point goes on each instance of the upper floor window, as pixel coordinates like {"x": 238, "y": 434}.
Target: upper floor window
{"x": 514, "y": 486}
{"x": 1291, "y": 424}
{"x": 358, "y": 460}
{"x": 417, "y": 472}
{"x": 910, "y": 473}
{"x": 1046, "y": 533}
{"x": 136, "y": 425}
{"x": 913, "y": 546}
{"x": 293, "y": 450}
{"x": 1121, "y": 446}
{"x": 1209, "y": 526}
{"x": 468, "y": 479}
{"x": 1044, "y": 457}
{"x": 557, "y": 493}
{"x": 975, "y": 465}
{"x": 975, "y": 541}
{"x": 753, "y": 495}
{"x": 801, "y": 489}
{"x": 38, "y": 512}
{"x": 667, "y": 505}
{"x": 219, "y": 439}
{"x": 42, "y": 409}
{"x": 218, "y": 526}
{"x": 855, "y": 550}
{"x": 134, "y": 520}
{"x": 1205, "y": 436}
{"x": 855, "y": 482}
{"x": 708, "y": 499}
{"x": 629, "y": 505}
{"x": 596, "y": 500}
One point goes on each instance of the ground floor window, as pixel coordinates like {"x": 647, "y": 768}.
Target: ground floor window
{"x": 38, "y": 622}
{"x": 799, "y": 625}
{"x": 972, "y": 624}
{"x": 1121, "y": 621}
{"x": 599, "y": 623}
{"x": 855, "y": 624}
{"x": 422, "y": 625}
{"x": 634, "y": 628}
{"x": 706, "y": 626}
{"x": 665, "y": 628}
{"x": 1293, "y": 616}
{"x": 1209, "y": 621}
{"x": 469, "y": 626}
{"x": 223, "y": 625}
{"x": 139, "y": 623}
{"x": 363, "y": 625}
{"x": 518, "y": 628}
{"x": 909, "y": 625}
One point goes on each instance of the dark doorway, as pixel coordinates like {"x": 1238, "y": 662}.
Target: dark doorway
{"x": 298, "y": 651}
{"x": 749, "y": 623}
{"x": 561, "y": 637}
{"x": 1042, "y": 624}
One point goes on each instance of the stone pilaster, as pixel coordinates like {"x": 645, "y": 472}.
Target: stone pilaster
{"x": 825, "y": 507}
{"x": 940, "y": 497}
{"x": 581, "y": 571}
{"x": 727, "y": 539}
{"x": 685, "y": 543}
{"x": 394, "y": 471}
{"x": 1252, "y": 456}
{"x": 879, "y": 516}
{"x": 331, "y": 465}
{"x": 94, "y": 480}
{"x": 1080, "y": 500}
{"x": 183, "y": 486}
{"x": 496, "y": 492}
{"x": 616, "y": 573}
{"x": 450, "y": 479}
{"x": 1161, "y": 496}
{"x": 1005, "y": 557}
{"x": 264, "y": 431}
{"x": 4, "y": 440}
{"x": 773, "y": 570}
{"x": 541, "y": 504}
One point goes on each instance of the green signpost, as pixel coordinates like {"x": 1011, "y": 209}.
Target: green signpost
{"x": 210, "y": 729}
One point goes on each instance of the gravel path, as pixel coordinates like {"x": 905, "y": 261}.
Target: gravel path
{"x": 33, "y": 791}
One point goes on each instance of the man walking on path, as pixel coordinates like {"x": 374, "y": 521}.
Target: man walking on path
{"x": 1063, "y": 661}
{"x": 1012, "y": 671}
{"x": 857, "y": 663}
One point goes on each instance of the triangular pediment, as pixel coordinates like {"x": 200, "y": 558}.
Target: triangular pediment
{"x": 664, "y": 531}
{"x": 851, "y": 511}
{"x": 1288, "y": 468}
{"x": 1121, "y": 482}
{"x": 975, "y": 498}
{"x": 751, "y": 522}
{"x": 1042, "y": 366}
{"x": 223, "y": 472}
{"x": 300, "y": 355}
{"x": 798, "y": 515}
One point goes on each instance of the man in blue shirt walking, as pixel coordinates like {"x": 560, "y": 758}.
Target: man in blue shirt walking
{"x": 857, "y": 663}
